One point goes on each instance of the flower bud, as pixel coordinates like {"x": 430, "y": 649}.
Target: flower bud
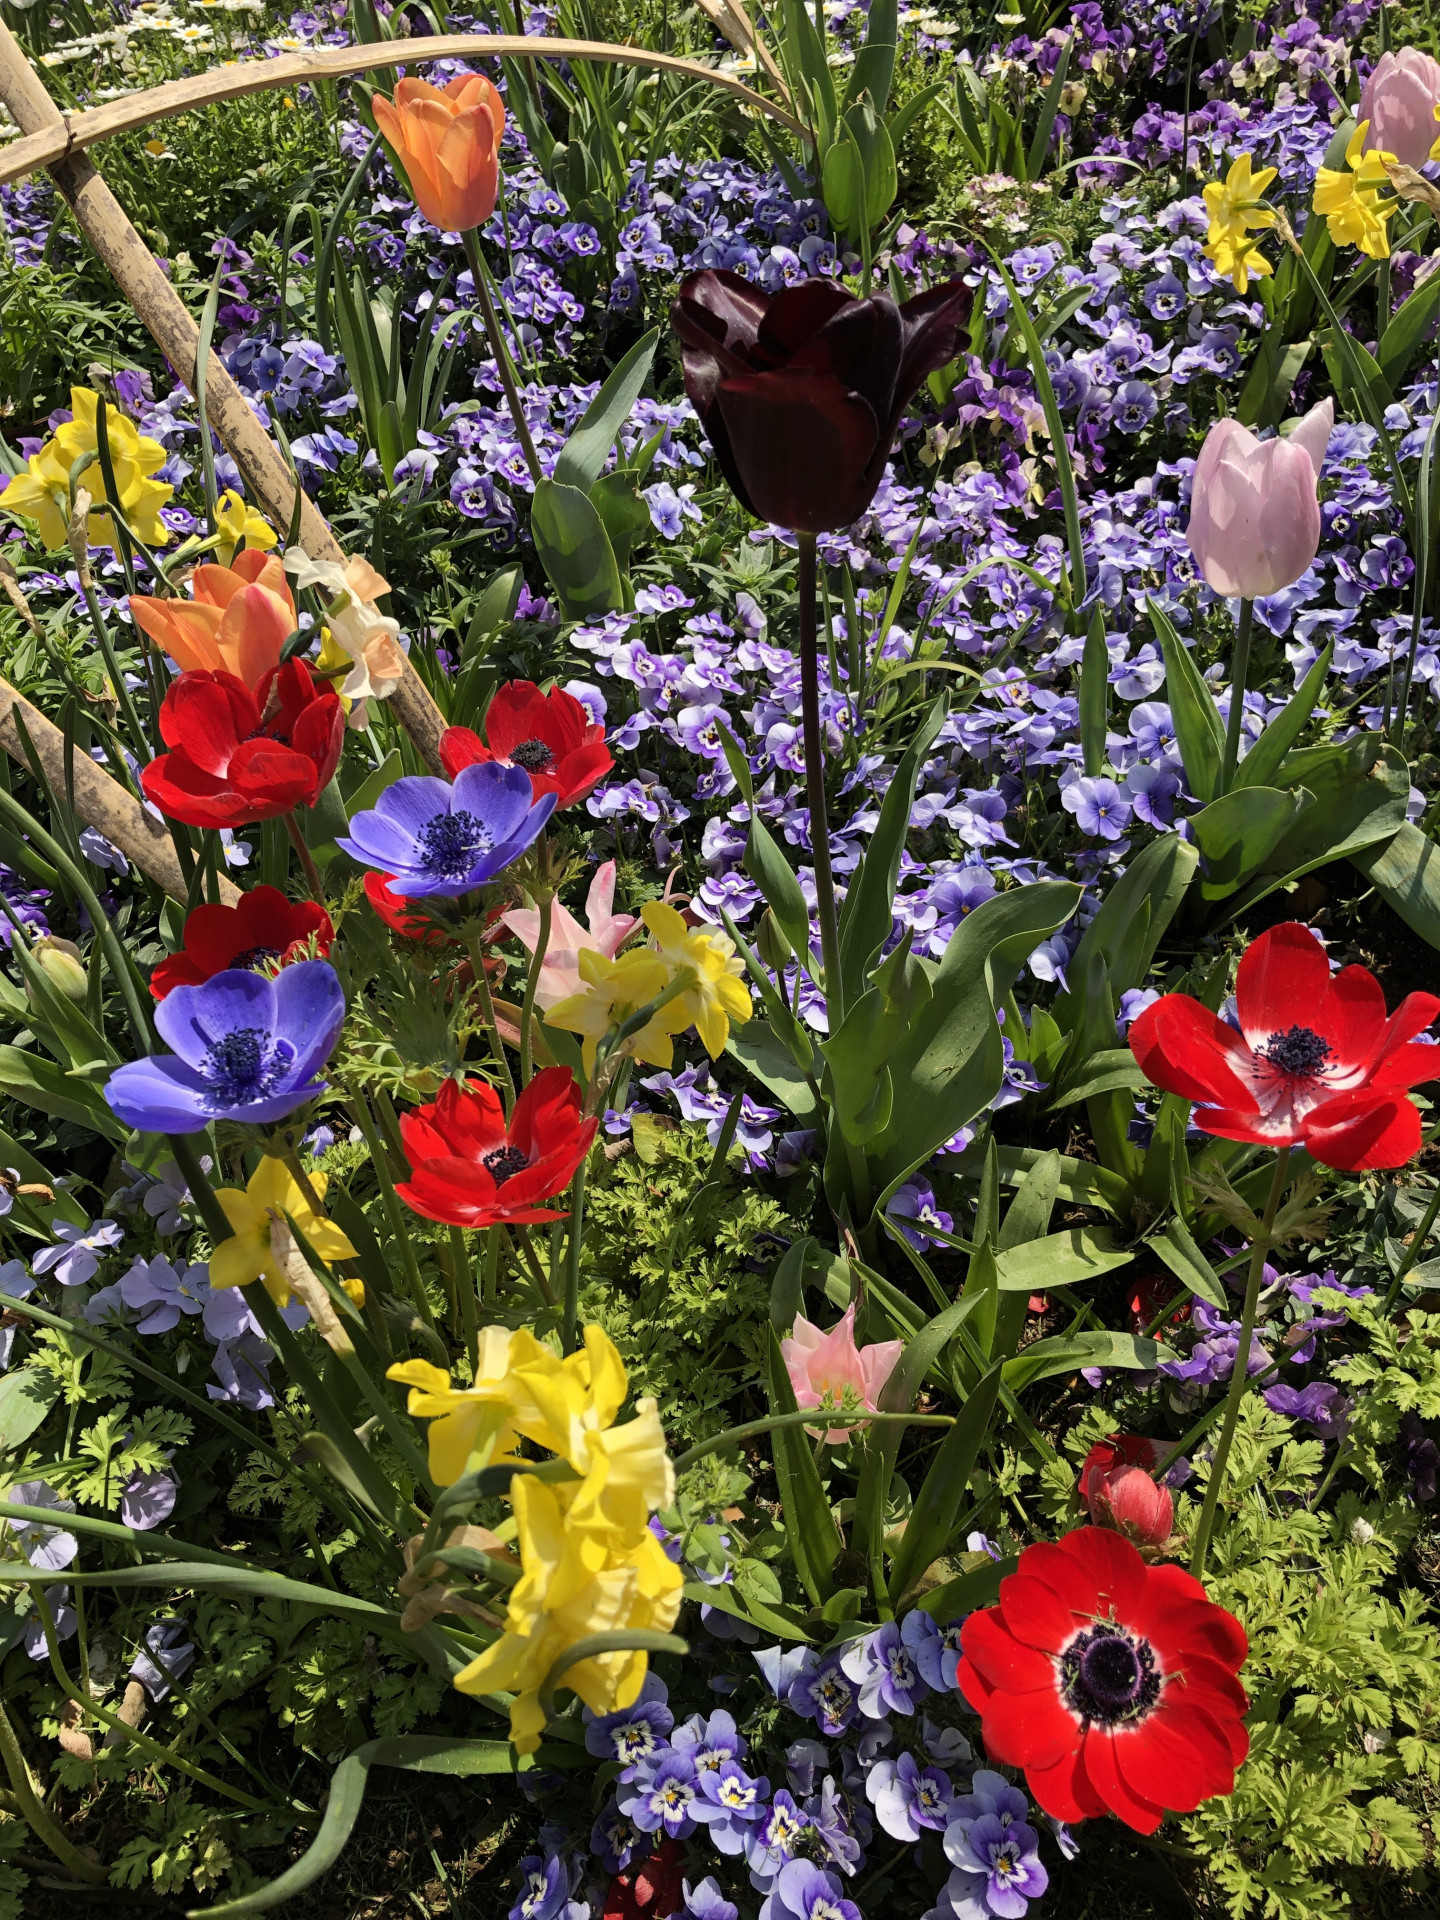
{"x": 62, "y": 964}
{"x": 1117, "y": 1486}
{"x": 770, "y": 943}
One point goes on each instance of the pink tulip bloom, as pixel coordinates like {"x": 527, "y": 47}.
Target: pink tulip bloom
{"x": 826, "y": 1369}
{"x": 1399, "y": 101}
{"x": 606, "y": 934}
{"x": 1254, "y": 515}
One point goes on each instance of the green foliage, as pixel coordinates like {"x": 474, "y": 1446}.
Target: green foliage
{"x": 1397, "y": 1373}
{"x": 683, "y": 1298}
{"x": 13, "y": 1878}
{"x": 1344, "y": 1680}
{"x": 180, "y": 1845}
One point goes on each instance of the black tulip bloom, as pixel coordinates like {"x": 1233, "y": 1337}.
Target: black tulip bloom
{"x": 800, "y": 392}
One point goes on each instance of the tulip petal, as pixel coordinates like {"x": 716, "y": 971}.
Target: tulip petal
{"x": 802, "y": 443}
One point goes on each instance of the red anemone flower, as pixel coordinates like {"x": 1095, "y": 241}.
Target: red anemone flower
{"x": 652, "y": 1890}
{"x": 262, "y": 926}
{"x": 550, "y": 735}
{"x": 1312, "y": 1061}
{"x": 1112, "y": 1683}
{"x": 470, "y": 1170}
{"x": 237, "y": 757}
{"x": 800, "y": 392}
{"x": 399, "y": 915}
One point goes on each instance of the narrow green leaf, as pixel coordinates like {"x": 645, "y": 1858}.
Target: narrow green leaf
{"x": 1264, "y": 760}
{"x": 1406, "y": 871}
{"x": 1066, "y": 1259}
{"x": 1198, "y": 732}
{"x": 582, "y": 459}
{"x": 810, "y": 1528}
{"x": 1183, "y": 1257}
{"x": 1094, "y": 695}
{"x": 942, "y": 1492}
{"x": 1068, "y": 1353}
{"x": 867, "y": 915}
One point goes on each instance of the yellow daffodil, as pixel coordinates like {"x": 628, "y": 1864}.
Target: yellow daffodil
{"x": 236, "y": 522}
{"x": 270, "y": 1194}
{"x": 716, "y": 993}
{"x": 1238, "y": 261}
{"x": 1435, "y": 149}
{"x": 42, "y": 492}
{"x": 484, "y": 1420}
{"x": 549, "y": 1612}
{"x": 1231, "y": 204}
{"x": 1350, "y": 201}
{"x": 612, "y": 991}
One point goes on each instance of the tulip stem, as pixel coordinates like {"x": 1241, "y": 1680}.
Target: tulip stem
{"x": 532, "y": 981}
{"x": 815, "y": 787}
{"x": 307, "y": 859}
{"x": 390, "y": 1201}
{"x": 1412, "y": 1252}
{"x": 1239, "y": 675}
{"x": 1240, "y": 1376}
{"x": 479, "y": 274}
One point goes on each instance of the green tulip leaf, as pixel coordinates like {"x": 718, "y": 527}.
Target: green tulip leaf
{"x": 1406, "y": 871}
{"x": 582, "y": 458}
{"x": 1060, "y": 1260}
{"x": 1198, "y": 732}
{"x": 575, "y": 551}
{"x": 26, "y": 1396}
{"x": 1237, "y": 833}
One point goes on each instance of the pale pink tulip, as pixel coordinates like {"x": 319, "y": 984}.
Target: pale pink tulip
{"x": 606, "y": 933}
{"x": 1254, "y": 514}
{"x": 1399, "y": 101}
{"x": 826, "y": 1368}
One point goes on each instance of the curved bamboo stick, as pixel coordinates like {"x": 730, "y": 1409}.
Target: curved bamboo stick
{"x": 73, "y": 132}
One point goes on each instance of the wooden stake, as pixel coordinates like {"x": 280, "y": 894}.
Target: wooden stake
{"x": 103, "y": 221}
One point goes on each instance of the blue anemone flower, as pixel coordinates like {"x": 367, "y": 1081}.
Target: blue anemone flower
{"x": 431, "y": 837}
{"x": 245, "y": 1048}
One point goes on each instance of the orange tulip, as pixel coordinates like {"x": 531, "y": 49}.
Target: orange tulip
{"x": 449, "y": 144}
{"x": 238, "y": 621}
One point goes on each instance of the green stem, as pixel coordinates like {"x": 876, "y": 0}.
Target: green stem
{"x": 465, "y": 1295}
{"x": 570, "y": 1317}
{"x": 532, "y": 981}
{"x": 307, "y": 859}
{"x": 532, "y": 1261}
{"x": 1263, "y": 1242}
{"x": 815, "y": 786}
{"x": 480, "y": 275}
{"x": 33, "y": 1812}
{"x": 390, "y": 1200}
{"x": 1239, "y": 675}
{"x": 807, "y": 1417}
{"x": 475, "y": 949}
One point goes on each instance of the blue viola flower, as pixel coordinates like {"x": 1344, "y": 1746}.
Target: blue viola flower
{"x": 545, "y": 1891}
{"x": 907, "y": 1797}
{"x": 998, "y": 1870}
{"x": 729, "y": 1804}
{"x": 770, "y": 1844}
{"x": 614, "y": 1839}
{"x": 885, "y": 1670}
{"x": 822, "y": 1691}
{"x": 710, "y": 1743}
{"x": 636, "y": 1734}
{"x": 661, "y": 1799}
{"x": 705, "y": 1901}
{"x": 804, "y": 1891}
{"x": 245, "y": 1048}
{"x": 435, "y": 838}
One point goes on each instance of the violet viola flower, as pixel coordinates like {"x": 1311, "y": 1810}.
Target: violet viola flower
{"x": 908, "y": 1797}
{"x": 1099, "y": 806}
{"x": 166, "y": 1655}
{"x": 803, "y": 1891}
{"x": 246, "y": 1048}
{"x": 434, "y": 838}
{"x": 915, "y": 1201}
{"x": 635, "y": 1735}
{"x": 148, "y": 1499}
{"x": 705, "y": 1901}
{"x": 160, "y": 1291}
{"x": 75, "y": 1258}
{"x": 822, "y": 1691}
{"x": 885, "y": 1671}
{"x": 997, "y": 1868}
{"x": 613, "y": 1838}
{"x": 729, "y": 1803}
{"x": 545, "y": 1891}
{"x": 771, "y": 1842}
{"x": 922, "y": 1636}
{"x": 661, "y": 1798}
{"x": 709, "y": 1743}
{"x": 49, "y": 1548}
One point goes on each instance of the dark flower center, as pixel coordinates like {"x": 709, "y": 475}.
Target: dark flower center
{"x": 254, "y": 958}
{"x": 534, "y": 756}
{"x": 501, "y": 1162}
{"x": 1108, "y": 1675}
{"x": 450, "y": 843}
{"x": 1299, "y": 1052}
{"x": 243, "y": 1066}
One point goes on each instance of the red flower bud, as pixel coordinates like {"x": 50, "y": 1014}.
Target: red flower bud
{"x": 1117, "y": 1485}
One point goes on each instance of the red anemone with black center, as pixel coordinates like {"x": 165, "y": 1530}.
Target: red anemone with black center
{"x": 236, "y": 756}
{"x": 1112, "y": 1683}
{"x": 263, "y": 927}
{"x": 469, "y": 1169}
{"x": 1312, "y": 1060}
{"x": 549, "y": 734}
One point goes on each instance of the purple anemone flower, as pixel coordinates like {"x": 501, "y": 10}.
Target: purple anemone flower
{"x": 245, "y": 1048}
{"x": 434, "y": 838}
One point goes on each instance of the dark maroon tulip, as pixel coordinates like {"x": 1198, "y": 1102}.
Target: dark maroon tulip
{"x": 800, "y": 392}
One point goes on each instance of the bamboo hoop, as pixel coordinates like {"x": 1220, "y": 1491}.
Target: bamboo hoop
{"x": 65, "y": 135}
